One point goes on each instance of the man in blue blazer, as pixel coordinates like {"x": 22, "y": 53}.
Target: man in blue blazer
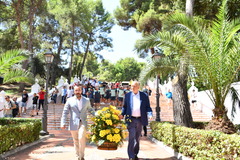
{"x": 77, "y": 106}
{"x": 136, "y": 110}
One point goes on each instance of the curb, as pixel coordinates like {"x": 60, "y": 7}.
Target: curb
{"x": 25, "y": 146}
{"x": 171, "y": 151}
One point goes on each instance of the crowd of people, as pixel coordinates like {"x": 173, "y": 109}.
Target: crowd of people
{"x": 99, "y": 93}
{"x": 13, "y": 108}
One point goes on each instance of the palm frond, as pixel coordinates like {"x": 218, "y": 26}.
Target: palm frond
{"x": 235, "y": 100}
{"x": 18, "y": 75}
{"x": 164, "y": 66}
{"x": 175, "y": 41}
{"x": 11, "y": 57}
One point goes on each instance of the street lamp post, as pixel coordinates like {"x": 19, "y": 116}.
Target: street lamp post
{"x": 49, "y": 59}
{"x": 155, "y": 57}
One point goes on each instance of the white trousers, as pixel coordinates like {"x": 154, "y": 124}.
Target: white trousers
{"x": 79, "y": 140}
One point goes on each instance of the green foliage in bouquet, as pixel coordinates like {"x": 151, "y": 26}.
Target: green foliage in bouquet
{"x": 107, "y": 127}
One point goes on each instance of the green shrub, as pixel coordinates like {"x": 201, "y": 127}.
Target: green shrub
{"x": 15, "y": 132}
{"x": 196, "y": 143}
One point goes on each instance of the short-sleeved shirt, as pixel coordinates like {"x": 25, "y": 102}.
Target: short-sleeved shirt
{"x": 41, "y": 95}
{"x": 8, "y": 105}
{"x": 35, "y": 99}
{"x": 113, "y": 92}
{"x": 97, "y": 95}
{"x": 24, "y": 97}
{"x": 169, "y": 94}
{"x": 120, "y": 93}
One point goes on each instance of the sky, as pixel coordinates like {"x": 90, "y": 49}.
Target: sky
{"x": 123, "y": 41}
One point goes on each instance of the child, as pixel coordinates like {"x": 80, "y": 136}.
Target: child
{"x": 15, "y": 111}
{"x": 90, "y": 96}
{"x": 35, "y": 99}
{"x": 120, "y": 96}
{"x": 107, "y": 94}
{"x": 97, "y": 97}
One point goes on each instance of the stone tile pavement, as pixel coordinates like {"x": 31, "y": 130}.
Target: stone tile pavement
{"x": 60, "y": 147}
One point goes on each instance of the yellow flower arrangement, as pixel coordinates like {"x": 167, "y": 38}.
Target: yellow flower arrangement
{"x": 107, "y": 127}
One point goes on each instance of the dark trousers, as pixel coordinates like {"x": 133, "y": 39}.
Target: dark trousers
{"x": 64, "y": 99}
{"x": 41, "y": 102}
{"x": 134, "y": 129}
{"x": 15, "y": 112}
{"x": 145, "y": 130}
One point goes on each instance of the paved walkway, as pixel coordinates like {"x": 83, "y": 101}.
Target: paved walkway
{"x": 60, "y": 147}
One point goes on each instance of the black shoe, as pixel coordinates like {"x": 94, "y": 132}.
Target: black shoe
{"x": 136, "y": 157}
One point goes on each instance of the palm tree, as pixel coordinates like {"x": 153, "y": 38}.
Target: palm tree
{"x": 175, "y": 44}
{"x": 10, "y": 67}
{"x": 214, "y": 52}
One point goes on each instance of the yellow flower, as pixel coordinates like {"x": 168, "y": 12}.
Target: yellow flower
{"x": 110, "y": 137}
{"x": 108, "y": 131}
{"x": 108, "y": 115}
{"x": 116, "y": 130}
{"x": 124, "y": 126}
{"x": 124, "y": 134}
{"x": 116, "y": 138}
{"x": 93, "y": 138}
{"x": 115, "y": 117}
{"x": 109, "y": 122}
{"x": 99, "y": 112}
{"x": 104, "y": 109}
{"x": 112, "y": 107}
{"x": 102, "y": 133}
{"x": 117, "y": 112}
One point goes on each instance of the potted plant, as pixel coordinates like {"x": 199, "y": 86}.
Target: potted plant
{"x": 107, "y": 130}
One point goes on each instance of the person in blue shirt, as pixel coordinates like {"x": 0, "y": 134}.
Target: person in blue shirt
{"x": 169, "y": 98}
{"x": 64, "y": 94}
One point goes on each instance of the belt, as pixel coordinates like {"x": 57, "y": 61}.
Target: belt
{"x": 135, "y": 117}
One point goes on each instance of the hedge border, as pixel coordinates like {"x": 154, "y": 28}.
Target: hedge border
{"x": 16, "y": 132}
{"x": 197, "y": 143}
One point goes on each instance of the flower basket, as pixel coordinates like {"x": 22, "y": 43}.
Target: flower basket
{"x": 107, "y": 130}
{"x": 108, "y": 146}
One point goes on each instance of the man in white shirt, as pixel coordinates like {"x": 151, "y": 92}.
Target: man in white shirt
{"x": 136, "y": 110}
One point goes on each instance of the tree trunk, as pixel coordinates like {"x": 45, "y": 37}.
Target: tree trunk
{"x": 221, "y": 122}
{"x": 85, "y": 57}
{"x": 71, "y": 61}
{"x": 31, "y": 13}
{"x": 181, "y": 105}
{"x": 18, "y": 6}
{"x": 18, "y": 16}
{"x": 189, "y": 7}
{"x": 57, "y": 59}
